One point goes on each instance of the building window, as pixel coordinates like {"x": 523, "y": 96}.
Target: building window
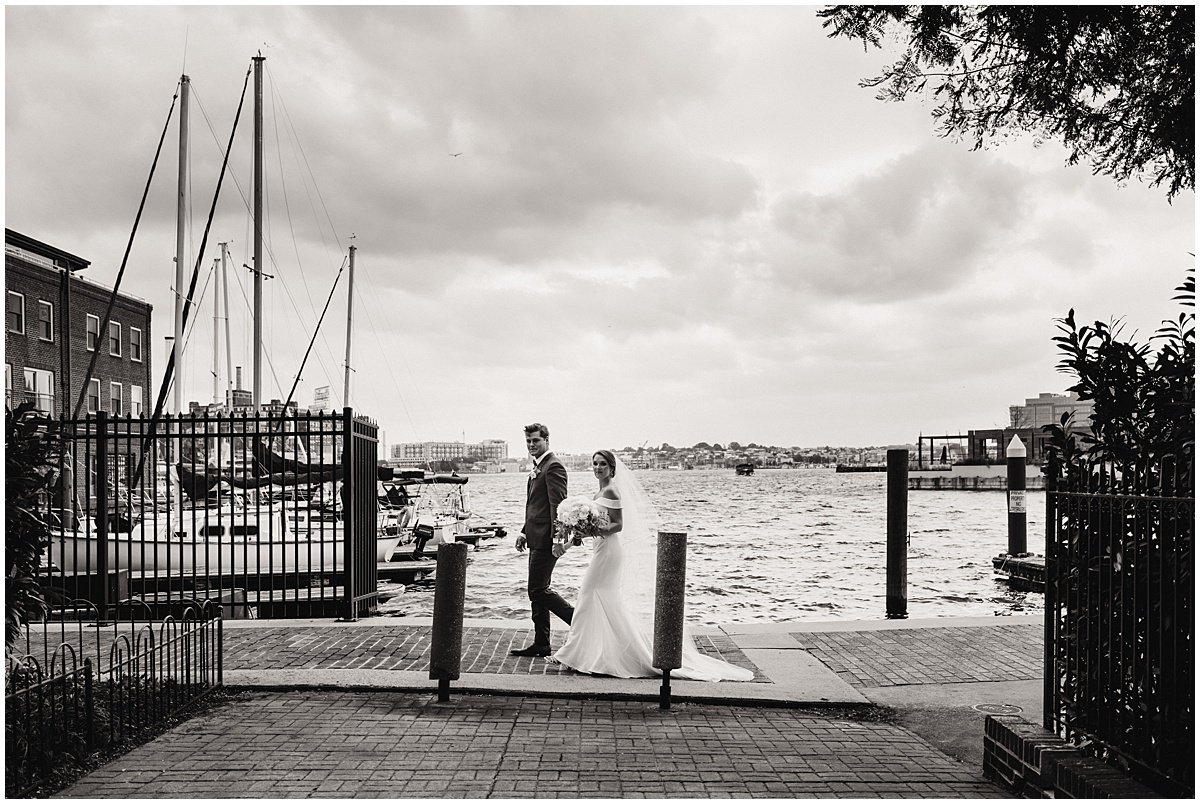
{"x": 8, "y": 384}
{"x": 39, "y": 388}
{"x": 94, "y": 396}
{"x": 135, "y": 344}
{"x": 45, "y": 320}
{"x": 135, "y": 400}
{"x": 114, "y": 339}
{"x": 16, "y": 312}
{"x": 114, "y": 398}
{"x": 93, "y": 332}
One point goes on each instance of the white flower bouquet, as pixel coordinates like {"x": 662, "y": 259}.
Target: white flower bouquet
{"x": 577, "y": 518}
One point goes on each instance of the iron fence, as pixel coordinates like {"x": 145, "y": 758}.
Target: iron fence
{"x": 269, "y": 515}
{"x": 1119, "y": 667}
{"x": 82, "y": 685}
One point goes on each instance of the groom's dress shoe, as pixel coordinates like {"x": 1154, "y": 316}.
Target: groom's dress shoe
{"x": 532, "y": 650}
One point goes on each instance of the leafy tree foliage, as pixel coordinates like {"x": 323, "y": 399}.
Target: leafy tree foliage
{"x": 1144, "y": 402}
{"x": 1116, "y": 84}
{"x": 31, "y": 448}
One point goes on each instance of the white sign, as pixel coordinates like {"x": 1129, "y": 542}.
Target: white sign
{"x": 1016, "y": 501}
{"x": 321, "y": 398}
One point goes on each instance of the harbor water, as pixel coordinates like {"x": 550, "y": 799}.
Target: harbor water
{"x": 775, "y": 546}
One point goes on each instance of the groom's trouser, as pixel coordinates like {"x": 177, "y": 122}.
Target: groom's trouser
{"x": 543, "y": 599}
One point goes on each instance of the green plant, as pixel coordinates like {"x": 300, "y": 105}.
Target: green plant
{"x": 31, "y": 447}
{"x": 1144, "y": 403}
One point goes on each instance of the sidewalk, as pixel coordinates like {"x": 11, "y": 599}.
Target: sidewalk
{"x": 348, "y": 710}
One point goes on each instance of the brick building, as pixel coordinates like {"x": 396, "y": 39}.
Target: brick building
{"x": 47, "y": 351}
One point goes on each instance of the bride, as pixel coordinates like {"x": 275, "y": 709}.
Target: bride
{"x": 611, "y": 629}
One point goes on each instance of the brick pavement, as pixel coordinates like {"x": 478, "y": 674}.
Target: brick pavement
{"x": 406, "y": 647}
{"x": 929, "y": 655}
{"x": 404, "y": 745}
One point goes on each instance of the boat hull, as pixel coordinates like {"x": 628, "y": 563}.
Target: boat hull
{"x": 78, "y": 551}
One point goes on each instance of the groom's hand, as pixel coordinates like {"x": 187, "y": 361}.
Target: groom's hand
{"x": 521, "y": 543}
{"x": 558, "y": 549}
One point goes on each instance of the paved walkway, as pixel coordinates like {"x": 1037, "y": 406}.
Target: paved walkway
{"x": 347, "y": 710}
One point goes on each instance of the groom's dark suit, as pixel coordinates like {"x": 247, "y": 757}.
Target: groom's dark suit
{"x": 545, "y": 490}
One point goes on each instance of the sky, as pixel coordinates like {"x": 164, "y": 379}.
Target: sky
{"x": 635, "y": 225}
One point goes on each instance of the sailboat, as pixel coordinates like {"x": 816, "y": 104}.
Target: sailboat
{"x": 216, "y": 520}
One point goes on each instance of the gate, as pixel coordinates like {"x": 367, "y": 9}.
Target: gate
{"x": 267, "y": 515}
{"x": 1119, "y": 669}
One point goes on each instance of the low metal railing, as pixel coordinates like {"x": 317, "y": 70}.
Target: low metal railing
{"x": 76, "y": 685}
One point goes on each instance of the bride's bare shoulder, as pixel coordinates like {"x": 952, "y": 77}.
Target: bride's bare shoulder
{"x": 609, "y": 497}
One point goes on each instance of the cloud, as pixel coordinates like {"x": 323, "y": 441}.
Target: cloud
{"x": 666, "y": 224}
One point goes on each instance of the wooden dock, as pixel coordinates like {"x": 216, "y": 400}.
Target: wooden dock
{"x": 405, "y": 571}
{"x": 1026, "y": 572}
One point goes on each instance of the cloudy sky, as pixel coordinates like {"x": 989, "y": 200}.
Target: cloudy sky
{"x": 671, "y": 224}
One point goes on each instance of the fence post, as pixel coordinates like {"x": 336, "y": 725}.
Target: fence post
{"x": 670, "y": 585}
{"x": 349, "y": 577}
{"x": 1016, "y": 497}
{"x": 445, "y": 651}
{"x": 100, "y": 518}
{"x": 1050, "y": 598}
{"x": 897, "y": 534}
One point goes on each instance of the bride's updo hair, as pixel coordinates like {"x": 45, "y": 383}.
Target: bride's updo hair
{"x": 608, "y": 456}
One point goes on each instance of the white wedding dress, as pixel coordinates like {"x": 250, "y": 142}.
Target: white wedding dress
{"x": 608, "y": 638}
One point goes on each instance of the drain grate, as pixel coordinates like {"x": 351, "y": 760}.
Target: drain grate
{"x": 998, "y": 709}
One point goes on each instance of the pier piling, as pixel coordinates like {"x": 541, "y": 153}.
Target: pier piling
{"x": 897, "y": 534}
{"x": 1016, "y": 497}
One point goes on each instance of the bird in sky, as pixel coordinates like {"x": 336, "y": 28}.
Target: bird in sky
{"x": 457, "y": 154}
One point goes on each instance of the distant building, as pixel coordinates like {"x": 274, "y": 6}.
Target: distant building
{"x": 1048, "y": 409}
{"x": 493, "y": 449}
{"x": 52, "y": 332}
{"x": 415, "y": 454}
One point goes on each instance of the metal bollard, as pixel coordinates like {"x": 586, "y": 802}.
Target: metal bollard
{"x": 897, "y": 534}
{"x": 1016, "y": 497}
{"x": 445, "y": 652}
{"x": 669, "y": 590}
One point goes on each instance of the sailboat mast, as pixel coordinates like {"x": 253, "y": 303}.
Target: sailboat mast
{"x": 258, "y": 223}
{"x": 216, "y": 367}
{"x": 180, "y": 226}
{"x": 225, "y": 306}
{"x": 349, "y": 327}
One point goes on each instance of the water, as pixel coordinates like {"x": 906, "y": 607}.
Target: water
{"x": 777, "y": 546}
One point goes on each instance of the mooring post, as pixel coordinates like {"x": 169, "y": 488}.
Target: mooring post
{"x": 1016, "y": 497}
{"x": 897, "y": 533}
{"x": 670, "y": 582}
{"x": 445, "y": 652}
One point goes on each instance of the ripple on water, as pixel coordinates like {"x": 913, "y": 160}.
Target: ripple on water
{"x": 768, "y": 548}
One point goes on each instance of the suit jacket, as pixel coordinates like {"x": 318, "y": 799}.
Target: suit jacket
{"x": 544, "y": 491}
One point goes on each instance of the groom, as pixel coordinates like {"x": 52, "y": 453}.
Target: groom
{"x": 546, "y": 488}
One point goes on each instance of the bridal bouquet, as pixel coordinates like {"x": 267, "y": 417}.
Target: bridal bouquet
{"x": 577, "y": 518}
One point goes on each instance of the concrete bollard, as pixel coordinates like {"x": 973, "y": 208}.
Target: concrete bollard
{"x": 445, "y": 652}
{"x": 669, "y": 591}
{"x": 897, "y": 534}
{"x": 1016, "y": 497}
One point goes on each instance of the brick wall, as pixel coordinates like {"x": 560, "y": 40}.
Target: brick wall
{"x": 38, "y": 282}
{"x": 1030, "y": 762}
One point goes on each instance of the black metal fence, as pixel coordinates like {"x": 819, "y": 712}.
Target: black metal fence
{"x": 268, "y": 515}
{"x": 78, "y": 685}
{"x": 1119, "y": 615}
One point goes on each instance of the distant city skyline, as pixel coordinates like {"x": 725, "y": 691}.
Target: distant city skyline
{"x": 709, "y": 232}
